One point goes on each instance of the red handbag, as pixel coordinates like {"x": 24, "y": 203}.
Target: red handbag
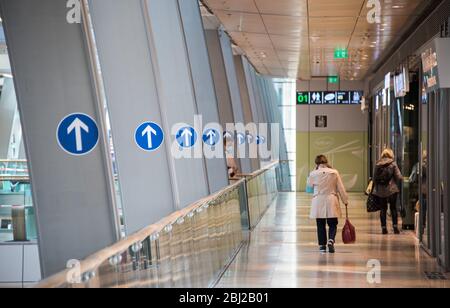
{"x": 349, "y": 231}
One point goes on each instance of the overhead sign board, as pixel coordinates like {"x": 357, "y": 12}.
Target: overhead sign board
{"x": 436, "y": 64}
{"x": 302, "y": 98}
{"x": 329, "y": 98}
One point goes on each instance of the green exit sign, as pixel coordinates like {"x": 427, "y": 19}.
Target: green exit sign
{"x": 302, "y": 98}
{"x": 341, "y": 53}
{"x": 333, "y": 79}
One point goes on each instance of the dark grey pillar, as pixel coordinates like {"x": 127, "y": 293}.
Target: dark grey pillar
{"x": 73, "y": 195}
{"x": 132, "y": 99}
{"x": 203, "y": 83}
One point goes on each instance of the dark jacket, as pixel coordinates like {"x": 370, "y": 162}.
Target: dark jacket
{"x": 385, "y": 191}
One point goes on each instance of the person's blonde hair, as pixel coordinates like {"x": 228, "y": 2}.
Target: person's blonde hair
{"x": 388, "y": 153}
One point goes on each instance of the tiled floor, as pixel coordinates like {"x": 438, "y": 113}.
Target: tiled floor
{"x": 282, "y": 252}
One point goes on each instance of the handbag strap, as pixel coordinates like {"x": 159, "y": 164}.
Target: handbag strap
{"x": 346, "y": 212}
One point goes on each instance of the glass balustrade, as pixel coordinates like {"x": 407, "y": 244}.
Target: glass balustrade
{"x": 189, "y": 249}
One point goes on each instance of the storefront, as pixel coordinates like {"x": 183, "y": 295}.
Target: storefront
{"x": 435, "y": 134}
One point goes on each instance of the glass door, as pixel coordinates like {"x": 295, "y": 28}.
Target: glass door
{"x": 423, "y": 173}
{"x": 442, "y": 153}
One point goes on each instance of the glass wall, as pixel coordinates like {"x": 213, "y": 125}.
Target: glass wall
{"x": 286, "y": 90}
{"x": 17, "y": 218}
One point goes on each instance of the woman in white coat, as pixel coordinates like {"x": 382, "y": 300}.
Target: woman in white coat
{"x": 326, "y": 209}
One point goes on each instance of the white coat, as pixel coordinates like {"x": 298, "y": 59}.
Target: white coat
{"x": 328, "y": 187}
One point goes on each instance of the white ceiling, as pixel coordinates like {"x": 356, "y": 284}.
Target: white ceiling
{"x": 297, "y": 38}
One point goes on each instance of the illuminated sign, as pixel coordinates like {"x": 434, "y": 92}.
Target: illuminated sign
{"x": 341, "y": 53}
{"x": 302, "y": 98}
{"x": 343, "y": 97}
{"x": 333, "y": 79}
{"x": 436, "y": 64}
{"x": 329, "y": 98}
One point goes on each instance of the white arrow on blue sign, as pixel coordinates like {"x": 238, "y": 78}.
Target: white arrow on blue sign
{"x": 149, "y": 136}
{"x": 211, "y": 137}
{"x": 227, "y": 135}
{"x": 186, "y": 137}
{"x": 249, "y": 138}
{"x": 77, "y": 134}
{"x": 260, "y": 140}
{"x": 241, "y": 138}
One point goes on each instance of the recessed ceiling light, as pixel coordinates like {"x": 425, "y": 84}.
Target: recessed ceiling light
{"x": 397, "y": 6}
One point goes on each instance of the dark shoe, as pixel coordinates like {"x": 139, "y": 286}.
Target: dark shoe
{"x": 396, "y": 230}
{"x": 331, "y": 246}
{"x": 323, "y": 249}
{"x": 385, "y": 231}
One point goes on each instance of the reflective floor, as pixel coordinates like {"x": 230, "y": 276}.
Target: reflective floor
{"x": 282, "y": 252}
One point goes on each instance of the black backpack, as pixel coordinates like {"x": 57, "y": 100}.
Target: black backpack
{"x": 383, "y": 175}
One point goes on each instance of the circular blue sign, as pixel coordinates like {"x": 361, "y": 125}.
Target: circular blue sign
{"x": 186, "y": 137}
{"x": 211, "y": 137}
{"x": 249, "y": 138}
{"x": 241, "y": 138}
{"x": 149, "y": 136}
{"x": 77, "y": 134}
{"x": 260, "y": 140}
{"x": 227, "y": 135}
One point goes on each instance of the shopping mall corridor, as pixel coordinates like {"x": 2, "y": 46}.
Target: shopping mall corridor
{"x": 282, "y": 252}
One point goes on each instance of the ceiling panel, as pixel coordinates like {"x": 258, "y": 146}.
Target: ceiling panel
{"x": 233, "y": 5}
{"x": 251, "y": 40}
{"x": 283, "y": 7}
{"x": 241, "y": 22}
{"x": 282, "y": 42}
{"x": 396, "y": 7}
{"x": 335, "y": 8}
{"x": 389, "y": 26}
{"x": 339, "y": 26}
{"x": 299, "y": 37}
{"x": 286, "y": 25}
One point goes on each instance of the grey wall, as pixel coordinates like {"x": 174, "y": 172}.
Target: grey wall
{"x": 73, "y": 196}
{"x": 176, "y": 94}
{"x": 203, "y": 83}
{"x": 8, "y": 105}
{"x": 245, "y": 93}
{"x": 220, "y": 77}
{"x": 132, "y": 98}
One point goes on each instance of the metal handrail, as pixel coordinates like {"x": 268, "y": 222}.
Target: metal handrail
{"x": 14, "y": 178}
{"x": 91, "y": 263}
{"x": 260, "y": 171}
{"x": 22, "y": 161}
{"x": 95, "y": 260}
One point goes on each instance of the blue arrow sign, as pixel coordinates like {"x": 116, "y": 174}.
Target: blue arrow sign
{"x": 241, "y": 138}
{"x": 260, "y": 140}
{"x": 211, "y": 137}
{"x": 77, "y": 134}
{"x": 227, "y": 135}
{"x": 186, "y": 137}
{"x": 249, "y": 138}
{"x": 149, "y": 136}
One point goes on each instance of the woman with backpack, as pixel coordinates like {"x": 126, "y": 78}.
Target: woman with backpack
{"x": 386, "y": 176}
